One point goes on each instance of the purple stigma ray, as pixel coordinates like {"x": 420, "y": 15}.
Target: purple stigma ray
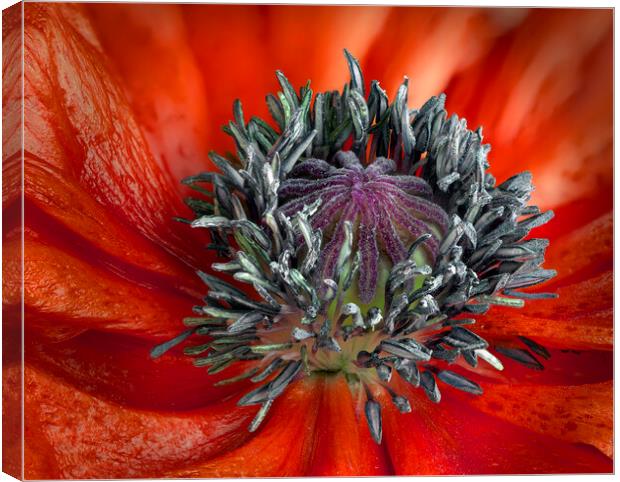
{"x": 333, "y": 247}
{"x": 389, "y": 211}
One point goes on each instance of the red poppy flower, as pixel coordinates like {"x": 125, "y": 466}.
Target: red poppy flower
{"x": 122, "y": 101}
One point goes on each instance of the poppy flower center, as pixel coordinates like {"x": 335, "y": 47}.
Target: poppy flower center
{"x": 388, "y": 211}
{"x": 371, "y": 261}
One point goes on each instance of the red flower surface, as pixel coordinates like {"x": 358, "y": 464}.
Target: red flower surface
{"x": 121, "y": 101}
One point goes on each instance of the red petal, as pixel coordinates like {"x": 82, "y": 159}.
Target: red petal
{"x": 11, "y": 104}
{"x": 64, "y": 212}
{"x": 12, "y": 403}
{"x": 429, "y": 60}
{"x": 344, "y": 446}
{"x": 583, "y": 253}
{"x": 159, "y": 74}
{"x": 12, "y": 395}
{"x": 228, "y": 42}
{"x": 574, "y": 215}
{"x": 79, "y": 122}
{"x": 564, "y": 367}
{"x": 544, "y": 97}
{"x": 247, "y": 40}
{"x": 282, "y": 447}
{"x": 118, "y": 368}
{"x": 60, "y": 290}
{"x": 577, "y": 414}
{"x": 324, "y": 62}
{"x": 582, "y": 317}
{"x": 70, "y": 434}
{"x": 453, "y": 438}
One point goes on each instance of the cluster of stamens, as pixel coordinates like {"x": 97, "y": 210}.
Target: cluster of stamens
{"x": 357, "y": 235}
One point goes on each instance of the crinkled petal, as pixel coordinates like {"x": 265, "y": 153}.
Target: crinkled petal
{"x": 582, "y": 316}
{"x": 79, "y": 122}
{"x": 62, "y": 210}
{"x": 454, "y": 438}
{"x": 283, "y": 445}
{"x": 71, "y": 434}
{"x": 11, "y": 104}
{"x": 62, "y": 290}
{"x": 118, "y": 368}
{"x": 576, "y": 414}
{"x": 12, "y": 403}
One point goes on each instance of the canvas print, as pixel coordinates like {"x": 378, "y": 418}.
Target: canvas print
{"x": 287, "y": 241}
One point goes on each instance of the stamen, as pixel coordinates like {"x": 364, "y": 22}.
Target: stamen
{"x": 373, "y": 417}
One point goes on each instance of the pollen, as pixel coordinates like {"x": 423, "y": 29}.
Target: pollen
{"x": 362, "y": 238}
